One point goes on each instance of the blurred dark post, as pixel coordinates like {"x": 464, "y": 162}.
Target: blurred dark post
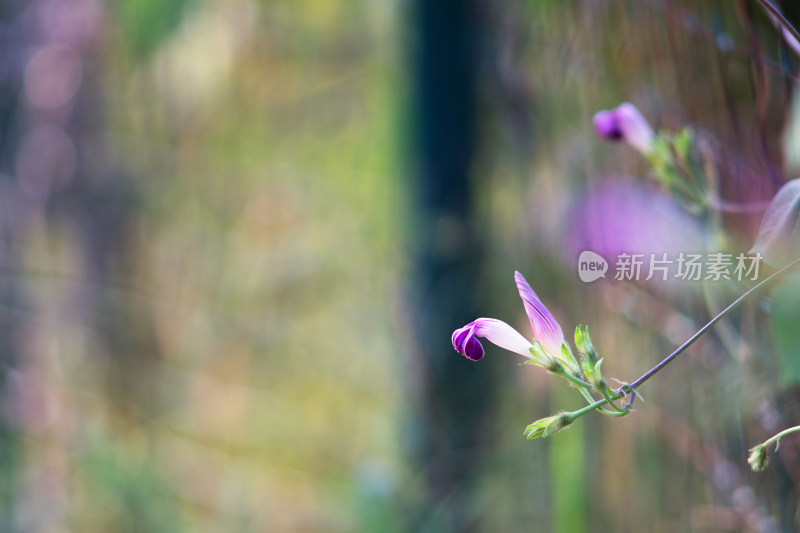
{"x": 454, "y": 393}
{"x": 12, "y": 315}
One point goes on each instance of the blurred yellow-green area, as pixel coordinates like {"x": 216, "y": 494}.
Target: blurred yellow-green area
{"x": 217, "y": 223}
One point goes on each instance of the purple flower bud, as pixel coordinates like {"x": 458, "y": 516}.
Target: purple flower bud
{"x": 545, "y": 330}
{"x": 625, "y": 123}
{"x": 465, "y": 340}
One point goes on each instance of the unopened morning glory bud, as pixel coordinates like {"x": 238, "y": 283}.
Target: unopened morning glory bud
{"x": 584, "y": 344}
{"x": 625, "y": 123}
{"x": 546, "y": 332}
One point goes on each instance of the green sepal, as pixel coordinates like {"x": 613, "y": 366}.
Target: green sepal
{"x": 579, "y": 336}
{"x": 538, "y": 352}
{"x": 542, "y": 358}
{"x": 595, "y": 376}
{"x": 682, "y": 143}
{"x": 584, "y": 344}
{"x": 670, "y": 157}
{"x": 661, "y": 155}
{"x": 567, "y": 356}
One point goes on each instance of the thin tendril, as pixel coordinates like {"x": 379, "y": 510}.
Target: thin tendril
{"x": 682, "y": 348}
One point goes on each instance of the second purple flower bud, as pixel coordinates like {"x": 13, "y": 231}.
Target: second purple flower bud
{"x": 625, "y": 123}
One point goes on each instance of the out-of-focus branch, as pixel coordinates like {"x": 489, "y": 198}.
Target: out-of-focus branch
{"x": 783, "y": 21}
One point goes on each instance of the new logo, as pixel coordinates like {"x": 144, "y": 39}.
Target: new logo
{"x": 591, "y": 266}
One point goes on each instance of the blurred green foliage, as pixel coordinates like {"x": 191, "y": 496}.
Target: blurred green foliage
{"x": 144, "y": 25}
{"x": 786, "y": 317}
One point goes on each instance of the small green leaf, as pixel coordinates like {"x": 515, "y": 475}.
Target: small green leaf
{"x": 598, "y": 365}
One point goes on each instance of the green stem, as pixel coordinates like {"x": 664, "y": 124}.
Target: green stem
{"x": 620, "y": 411}
{"x": 576, "y": 380}
{"x": 603, "y": 410}
{"x": 574, "y": 415}
{"x": 631, "y": 388}
{"x": 779, "y": 436}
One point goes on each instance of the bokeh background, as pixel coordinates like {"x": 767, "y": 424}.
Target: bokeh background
{"x": 237, "y": 235}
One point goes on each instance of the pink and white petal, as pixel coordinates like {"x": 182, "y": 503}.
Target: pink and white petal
{"x": 503, "y": 335}
{"x": 495, "y": 331}
{"x": 635, "y": 128}
{"x": 546, "y": 329}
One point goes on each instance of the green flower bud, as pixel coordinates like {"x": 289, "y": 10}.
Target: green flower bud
{"x": 759, "y": 457}
{"x": 545, "y": 427}
{"x": 584, "y": 344}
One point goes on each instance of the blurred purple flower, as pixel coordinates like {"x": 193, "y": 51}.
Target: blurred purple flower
{"x": 625, "y": 123}
{"x": 620, "y": 215}
{"x": 545, "y": 330}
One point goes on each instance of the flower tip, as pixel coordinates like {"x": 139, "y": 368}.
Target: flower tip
{"x": 466, "y": 344}
{"x": 606, "y": 126}
{"x": 627, "y": 123}
{"x": 474, "y": 351}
